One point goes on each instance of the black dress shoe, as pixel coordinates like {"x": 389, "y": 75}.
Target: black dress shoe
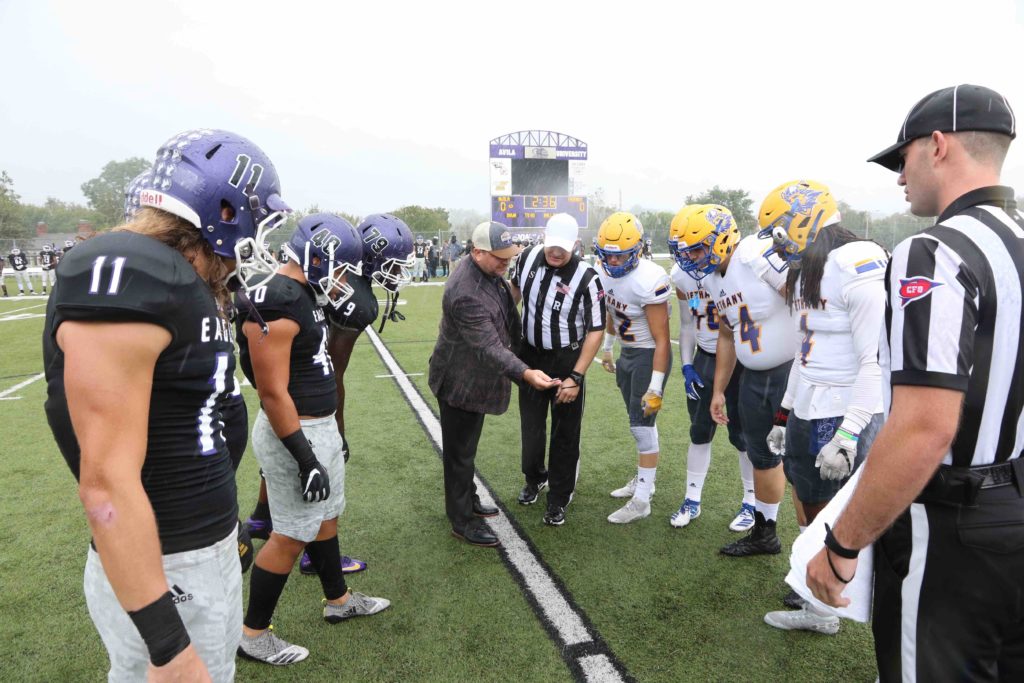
{"x": 481, "y": 510}
{"x": 476, "y": 534}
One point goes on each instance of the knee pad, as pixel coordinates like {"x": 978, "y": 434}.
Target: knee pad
{"x": 646, "y": 439}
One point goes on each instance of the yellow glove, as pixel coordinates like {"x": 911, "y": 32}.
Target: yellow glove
{"x": 607, "y": 362}
{"x": 651, "y": 403}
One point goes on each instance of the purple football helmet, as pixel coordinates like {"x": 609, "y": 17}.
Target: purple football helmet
{"x": 387, "y": 250}
{"x": 327, "y": 248}
{"x": 228, "y": 188}
{"x": 131, "y": 193}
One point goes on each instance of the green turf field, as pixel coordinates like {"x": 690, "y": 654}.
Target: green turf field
{"x": 664, "y": 602}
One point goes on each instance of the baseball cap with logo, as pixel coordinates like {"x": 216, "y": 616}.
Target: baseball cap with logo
{"x": 494, "y": 237}
{"x": 951, "y": 110}
{"x": 561, "y": 232}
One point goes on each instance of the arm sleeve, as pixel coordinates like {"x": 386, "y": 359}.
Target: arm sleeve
{"x": 593, "y": 303}
{"x": 477, "y": 329}
{"x": 933, "y": 301}
{"x": 865, "y": 300}
{"x": 687, "y": 333}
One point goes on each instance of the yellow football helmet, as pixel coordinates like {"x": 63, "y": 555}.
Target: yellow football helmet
{"x": 710, "y": 227}
{"x": 621, "y": 234}
{"x": 678, "y": 227}
{"x": 792, "y": 215}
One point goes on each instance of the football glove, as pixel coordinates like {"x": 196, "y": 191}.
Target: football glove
{"x": 245, "y": 551}
{"x": 777, "y": 436}
{"x": 345, "y": 451}
{"x": 692, "y": 381}
{"x": 314, "y": 482}
{"x": 607, "y": 362}
{"x": 651, "y": 403}
{"x": 836, "y": 458}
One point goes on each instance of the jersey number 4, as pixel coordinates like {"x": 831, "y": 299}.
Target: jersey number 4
{"x": 750, "y": 331}
{"x": 806, "y": 344}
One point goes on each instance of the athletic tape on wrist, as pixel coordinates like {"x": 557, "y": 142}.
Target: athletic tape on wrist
{"x": 657, "y": 382}
{"x": 161, "y": 629}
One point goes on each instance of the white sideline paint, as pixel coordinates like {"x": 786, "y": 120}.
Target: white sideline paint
{"x": 562, "y": 616}
{"x": 7, "y": 392}
{"x": 19, "y": 310}
{"x": 21, "y": 316}
{"x": 404, "y": 374}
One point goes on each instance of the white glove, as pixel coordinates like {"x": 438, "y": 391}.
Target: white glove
{"x": 836, "y": 458}
{"x": 777, "y": 440}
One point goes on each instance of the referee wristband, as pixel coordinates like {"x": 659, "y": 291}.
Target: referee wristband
{"x": 298, "y": 445}
{"x": 161, "y": 629}
{"x": 832, "y": 544}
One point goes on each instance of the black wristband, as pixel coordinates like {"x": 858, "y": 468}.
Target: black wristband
{"x": 833, "y": 568}
{"x": 832, "y": 544}
{"x": 576, "y": 377}
{"x": 781, "y": 417}
{"x": 161, "y": 629}
{"x": 298, "y": 445}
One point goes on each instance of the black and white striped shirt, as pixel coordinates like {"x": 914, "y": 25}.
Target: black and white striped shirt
{"x": 953, "y": 319}
{"x": 560, "y": 305}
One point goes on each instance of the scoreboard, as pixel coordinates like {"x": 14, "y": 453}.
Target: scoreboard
{"x": 529, "y": 211}
{"x": 536, "y": 174}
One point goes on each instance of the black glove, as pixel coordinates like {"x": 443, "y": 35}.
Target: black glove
{"x": 344, "y": 446}
{"x": 245, "y": 552}
{"x": 313, "y": 480}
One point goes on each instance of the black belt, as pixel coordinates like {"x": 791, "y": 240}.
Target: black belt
{"x": 961, "y": 485}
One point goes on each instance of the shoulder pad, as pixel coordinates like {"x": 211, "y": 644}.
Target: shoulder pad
{"x": 281, "y": 297}
{"x": 359, "y": 311}
{"x": 122, "y": 276}
{"x": 861, "y": 258}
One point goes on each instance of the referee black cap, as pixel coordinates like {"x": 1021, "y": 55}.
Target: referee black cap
{"x": 950, "y": 110}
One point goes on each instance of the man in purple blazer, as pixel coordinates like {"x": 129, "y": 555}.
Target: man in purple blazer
{"x": 472, "y": 368}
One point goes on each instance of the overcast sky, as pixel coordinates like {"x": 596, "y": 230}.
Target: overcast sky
{"x": 372, "y": 106}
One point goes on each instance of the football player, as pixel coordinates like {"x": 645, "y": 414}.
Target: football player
{"x": 419, "y": 271}
{"x": 748, "y": 298}
{"x": 137, "y": 356}
{"x": 19, "y": 264}
{"x": 836, "y": 289}
{"x": 636, "y": 296}
{"x": 283, "y": 350}
{"x": 48, "y": 262}
{"x": 3, "y": 282}
{"x": 698, "y": 327}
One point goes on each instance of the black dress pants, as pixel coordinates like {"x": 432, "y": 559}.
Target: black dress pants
{"x": 460, "y": 435}
{"x": 566, "y": 421}
{"x": 949, "y": 591}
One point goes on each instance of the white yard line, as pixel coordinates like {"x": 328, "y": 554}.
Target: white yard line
{"x": 21, "y": 385}
{"x": 586, "y": 655}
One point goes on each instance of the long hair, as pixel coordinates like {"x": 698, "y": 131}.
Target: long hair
{"x": 177, "y": 233}
{"x": 812, "y": 265}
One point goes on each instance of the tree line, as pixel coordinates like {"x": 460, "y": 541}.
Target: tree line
{"x": 105, "y": 204}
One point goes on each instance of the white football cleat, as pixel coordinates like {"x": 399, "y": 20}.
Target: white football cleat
{"x": 744, "y": 519}
{"x": 629, "y": 490}
{"x": 803, "y": 620}
{"x": 630, "y": 512}
{"x": 687, "y": 512}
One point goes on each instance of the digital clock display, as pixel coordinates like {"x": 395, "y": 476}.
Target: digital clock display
{"x": 533, "y": 211}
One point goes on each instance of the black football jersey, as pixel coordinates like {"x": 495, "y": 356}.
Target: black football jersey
{"x": 187, "y": 474}
{"x": 359, "y": 311}
{"x": 311, "y": 381}
{"x": 419, "y": 250}
{"x": 47, "y": 260}
{"x": 18, "y": 261}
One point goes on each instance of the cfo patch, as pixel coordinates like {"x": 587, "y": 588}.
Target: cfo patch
{"x": 916, "y": 288}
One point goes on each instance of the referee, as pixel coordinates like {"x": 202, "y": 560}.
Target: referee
{"x": 942, "y": 492}
{"x": 563, "y": 324}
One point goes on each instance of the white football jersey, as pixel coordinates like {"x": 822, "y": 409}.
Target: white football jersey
{"x": 747, "y": 297}
{"x": 625, "y": 298}
{"x": 701, "y": 306}
{"x": 831, "y": 348}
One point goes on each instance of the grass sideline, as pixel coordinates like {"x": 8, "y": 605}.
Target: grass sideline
{"x": 666, "y": 603}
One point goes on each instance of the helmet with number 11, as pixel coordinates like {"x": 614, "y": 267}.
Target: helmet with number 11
{"x": 620, "y": 238}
